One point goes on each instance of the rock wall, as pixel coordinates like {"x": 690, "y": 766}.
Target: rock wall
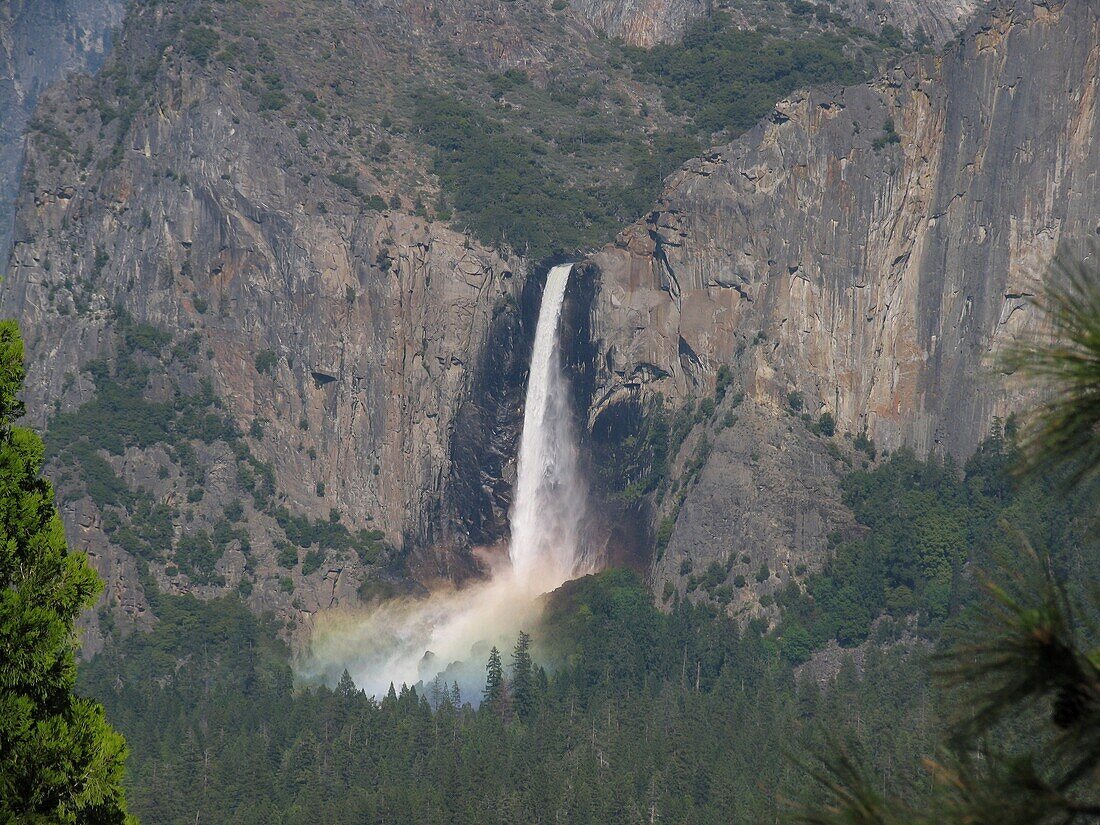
{"x": 867, "y": 249}
{"x": 340, "y": 340}
{"x": 41, "y": 41}
{"x": 646, "y": 23}
{"x": 939, "y": 20}
{"x": 641, "y": 22}
{"x": 864, "y": 250}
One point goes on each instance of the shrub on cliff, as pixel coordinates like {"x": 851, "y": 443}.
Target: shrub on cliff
{"x": 727, "y": 79}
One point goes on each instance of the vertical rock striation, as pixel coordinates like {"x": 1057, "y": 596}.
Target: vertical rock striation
{"x": 341, "y": 341}
{"x": 646, "y": 23}
{"x": 870, "y": 247}
{"x": 867, "y": 250}
{"x": 939, "y": 20}
{"x": 641, "y": 23}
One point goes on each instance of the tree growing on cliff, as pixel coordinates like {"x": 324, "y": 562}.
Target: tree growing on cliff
{"x": 59, "y": 760}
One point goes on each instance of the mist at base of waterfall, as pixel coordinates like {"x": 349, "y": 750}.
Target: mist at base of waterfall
{"x": 409, "y": 641}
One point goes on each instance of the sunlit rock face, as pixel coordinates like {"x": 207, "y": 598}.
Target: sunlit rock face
{"x": 342, "y": 342}
{"x": 373, "y": 324}
{"x": 939, "y": 20}
{"x": 875, "y": 274}
{"x": 646, "y": 23}
{"x": 867, "y": 249}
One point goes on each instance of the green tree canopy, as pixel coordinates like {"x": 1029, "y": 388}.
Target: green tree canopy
{"x": 59, "y": 760}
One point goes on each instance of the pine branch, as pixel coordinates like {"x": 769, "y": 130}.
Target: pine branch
{"x": 1026, "y": 648}
{"x": 850, "y": 798}
{"x": 1064, "y": 434}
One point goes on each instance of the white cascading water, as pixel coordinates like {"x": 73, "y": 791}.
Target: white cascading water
{"x": 406, "y": 640}
{"x": 549, "y": 503}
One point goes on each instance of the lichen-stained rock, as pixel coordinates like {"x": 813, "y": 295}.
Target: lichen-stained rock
{"x": 868, "y": 249}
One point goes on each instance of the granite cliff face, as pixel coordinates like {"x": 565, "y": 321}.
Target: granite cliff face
{"x": 240, "y": 232}
{"x": 939, "y": 20}
{"x": 339, "y": 341}
{"x": 237, "y": 221}
{"x": 641, "y": 22}
{"x": 40, "y": 42}
{"x": 646, "y": 23}
{"x": 861, "y": 253}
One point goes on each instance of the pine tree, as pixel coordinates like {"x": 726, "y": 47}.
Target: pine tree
{"x": 495, "y": 695}
{"x": 1063, "y": 436}
{"x": 59, "y": 760}
{"x": 346, "y": 688}
{"x": 439, "y": 692}
{"x": 523, "y": 683}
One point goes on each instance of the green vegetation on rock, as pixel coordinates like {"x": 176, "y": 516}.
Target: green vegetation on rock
{"x": 925, "y": 523}
{"x": 726, "y": 79}
{"x": 87, "y": 442}
{"x": 502, "y": 184}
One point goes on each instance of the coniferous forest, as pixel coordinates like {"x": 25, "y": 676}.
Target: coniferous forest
{"x": 636, "y": 711}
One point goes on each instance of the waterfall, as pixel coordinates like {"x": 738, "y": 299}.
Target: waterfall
{"x": 549, "y": 502}
{"x": 406, "y": 640}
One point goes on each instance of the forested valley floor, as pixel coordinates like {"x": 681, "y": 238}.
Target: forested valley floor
{"x": 633, "y": 715}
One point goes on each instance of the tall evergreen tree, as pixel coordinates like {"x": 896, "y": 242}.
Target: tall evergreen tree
{"x": 346, "y": 687}
{"x": 523, "y": 682}
{"x": 494, "y": 696}
{"x": 59, "y": 760}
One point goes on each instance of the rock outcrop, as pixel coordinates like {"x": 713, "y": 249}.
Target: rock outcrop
{"x": 340, "y": 340}
{"x": 938, "y": 20}
{"x": 646, "y": 23}
{"x": 865, "y": 251}
{"x": 642, "y": 23}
